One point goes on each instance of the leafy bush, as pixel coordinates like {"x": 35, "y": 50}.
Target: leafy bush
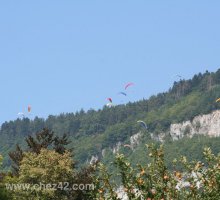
{"x": 197, "y": 180}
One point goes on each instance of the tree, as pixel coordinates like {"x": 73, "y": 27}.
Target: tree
{"x": 4, "y": 194}
{"x": 16, "y": 157}
{"x": 47, "y": 160}
{"x": 48, "y": 169}
{"x": 42, "y": 140}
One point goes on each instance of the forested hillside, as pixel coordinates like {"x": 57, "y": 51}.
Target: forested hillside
{"x": 92, "y": 131}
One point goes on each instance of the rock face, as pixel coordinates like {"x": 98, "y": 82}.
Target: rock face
{"x": 121, "y": 194}
{"x": 93, "y": 160}
{"x": 135, "y": 140}
{"x": 160, "y": 137}
{"x": 116, "y": 148}
{"x": 203, "y": 124}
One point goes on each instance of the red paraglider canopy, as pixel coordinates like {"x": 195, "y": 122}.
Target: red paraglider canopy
{"x": 109, "y": 99}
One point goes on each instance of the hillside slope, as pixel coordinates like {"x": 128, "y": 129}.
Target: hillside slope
{"x": 93, "y": 131}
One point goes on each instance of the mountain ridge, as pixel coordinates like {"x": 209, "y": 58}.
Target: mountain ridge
{"x": 93, "y": 131}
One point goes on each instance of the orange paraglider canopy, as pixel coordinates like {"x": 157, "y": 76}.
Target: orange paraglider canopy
{"x": 29, "y": 108}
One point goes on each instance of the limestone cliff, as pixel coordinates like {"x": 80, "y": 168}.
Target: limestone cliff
{"x": 203, "y": 124}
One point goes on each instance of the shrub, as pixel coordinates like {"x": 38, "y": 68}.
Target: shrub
{"x": 154, "y": 181}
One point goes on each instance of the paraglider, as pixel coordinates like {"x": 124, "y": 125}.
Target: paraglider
{"x": 127, "y": 145}
{"x": 25, "y": 114}
{"x": 109, "y": 105}
{"x": 142, "y": 123}
{"x": 109, "y": 99}
{"x": 29, "y": 108}
{"x": 217, "y": 100}
{"x": 123, "y": 93}
{"x": 128, "y": 85}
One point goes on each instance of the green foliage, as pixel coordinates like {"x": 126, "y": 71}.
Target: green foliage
{"x": 1, "y": 158}
{"x": 4, "y": 195}
{"x": 47, "y": 162}
{"x": 47, "y": 167}
{"x": 192, "y": 148}
{"x": 43, "y": 139}
{"x": 155, "y": 181}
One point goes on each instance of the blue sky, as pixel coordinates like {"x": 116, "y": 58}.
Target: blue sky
{"x": 61, "y": 56}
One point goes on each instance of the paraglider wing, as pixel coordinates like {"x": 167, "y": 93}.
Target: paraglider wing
{"x": 128, "y": 85}
{"x": 123, "y": 93}
{"x": 109, "y": 99}
{"x": 29, "y": 108}
{"x": 217, "y": 100}
{"x": 127, "y": 145}
{"x": 142, "y": 123}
